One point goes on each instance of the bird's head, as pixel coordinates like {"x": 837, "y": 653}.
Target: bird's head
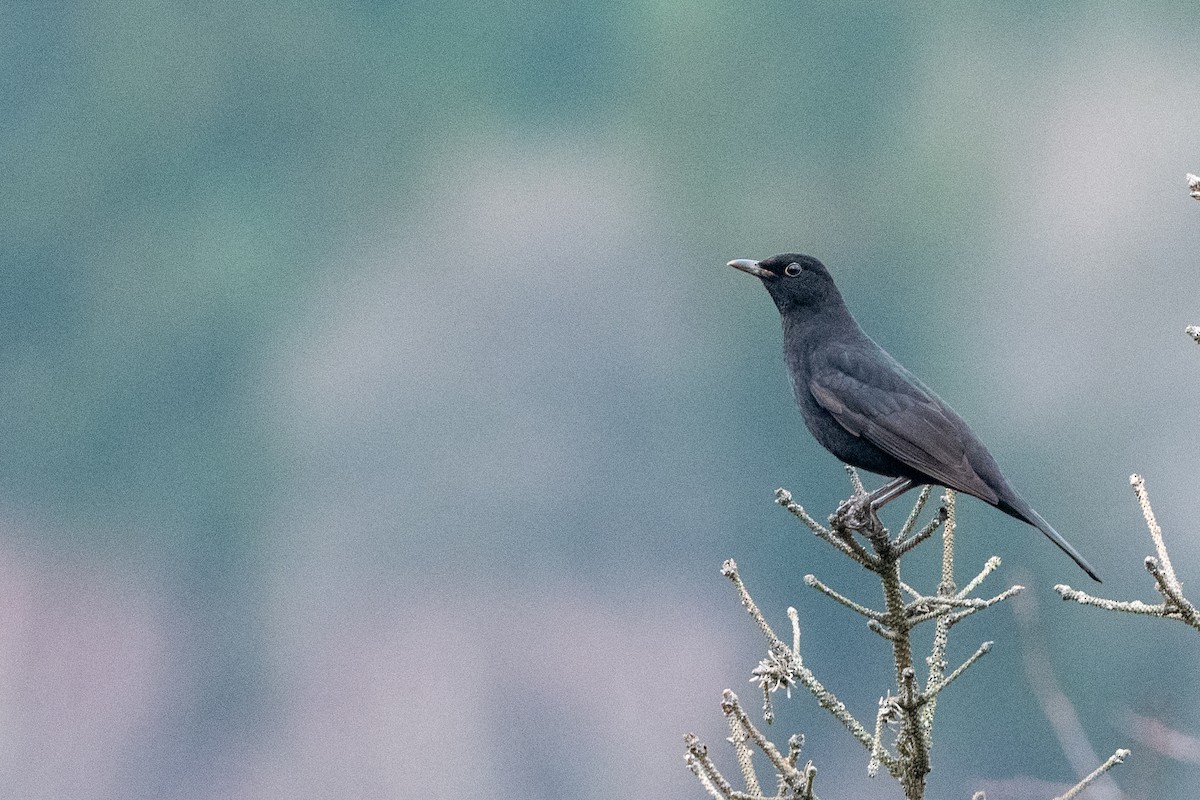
{"x": 796, "y": 282}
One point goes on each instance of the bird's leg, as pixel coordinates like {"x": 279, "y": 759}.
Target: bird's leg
{"x": 859, "y": 512}
{"x": 889, "y": 492}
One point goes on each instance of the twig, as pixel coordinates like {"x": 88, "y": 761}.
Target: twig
{"x": 913, "y": 515}
{"x": 855, "y": 481}
{"x": 1175, "y": 605}
{"x": 989, "y": 567}
{"x": 729, "y": 570}
{"x": 702, "y": 767}
{"x": 1116, "y": 758}
{"x": 1143, "y": 497}
{"x": 933, "y": 691}
{"x": 1055, "y": 704}
{"x": 888, "y": 710}
{"x": 936, "y": 660}
{"x": 847, "y": 545}
{"x": 787, "y": 770}
{"x": 858, "y": 608}
{"x": 930, "y": 528}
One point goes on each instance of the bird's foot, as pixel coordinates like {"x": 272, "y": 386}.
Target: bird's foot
{"x": 856, "y": 514}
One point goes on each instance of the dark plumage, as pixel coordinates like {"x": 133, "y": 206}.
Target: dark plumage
{"x": 867, "y": 409}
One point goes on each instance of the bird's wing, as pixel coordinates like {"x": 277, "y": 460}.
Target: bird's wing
{"x": 893, "y": 411}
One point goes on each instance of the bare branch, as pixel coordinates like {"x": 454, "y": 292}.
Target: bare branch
{"x": 888, "y": 711}
{"x": 729, "y": 570}
{"x": 858, "y": 608}
{"x": 906, "y": 714}
{"x": 791, "y": 776}
{"x": 980, "y": 653}
{"x": 846, "y": 545}
{"x": 1143, "y": 497}
{"x": 855, "y": 480}
{"x": 917, "y": 508}
{"x": 989, "y": 567}
{"x": 1175, "y": 605}
{"x": 701, "y": 765}
{"x": 1116, "y": 758}
{"x": 930, "y": 528}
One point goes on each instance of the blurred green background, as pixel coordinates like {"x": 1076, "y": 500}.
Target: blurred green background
{"x": 378, "y": 409}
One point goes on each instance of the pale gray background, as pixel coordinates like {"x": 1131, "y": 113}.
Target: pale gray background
{"x": 376, "y": 408}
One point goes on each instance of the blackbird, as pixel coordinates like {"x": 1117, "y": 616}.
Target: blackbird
{"x": 869, "y": 411}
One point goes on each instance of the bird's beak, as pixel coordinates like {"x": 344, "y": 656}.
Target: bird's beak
{"x": 752, "y": 267}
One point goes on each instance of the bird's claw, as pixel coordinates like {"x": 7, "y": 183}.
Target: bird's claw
{"x": 855, "y": 514}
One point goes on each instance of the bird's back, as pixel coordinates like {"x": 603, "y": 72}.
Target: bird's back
{"x": 868, "y": 410}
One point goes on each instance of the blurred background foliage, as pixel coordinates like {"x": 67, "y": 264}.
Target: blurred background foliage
{"x": 377, "y": 409}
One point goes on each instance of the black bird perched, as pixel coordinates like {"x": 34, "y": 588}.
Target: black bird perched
{"x": 867, "y": 409}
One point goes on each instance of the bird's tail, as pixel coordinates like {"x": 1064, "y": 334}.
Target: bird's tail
{"x": 1024, "y": 512}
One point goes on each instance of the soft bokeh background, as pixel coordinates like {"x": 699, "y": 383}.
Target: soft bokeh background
{"x": 376, "y": 408}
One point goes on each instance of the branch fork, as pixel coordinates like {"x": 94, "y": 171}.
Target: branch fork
{"x": 900, "y": 739}
{"x": 1174, "y": 605}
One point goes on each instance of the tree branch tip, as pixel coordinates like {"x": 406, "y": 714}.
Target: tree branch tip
{"x": 1116, "y": 758}
{"x": 783, "y": 496}
{"x": 854, "y": 478}
{"x": 729, "y": 568}
{"x": 1151, "y": 563}
{"x": 1135, "y": 479}
{"x": 810, "y": 579}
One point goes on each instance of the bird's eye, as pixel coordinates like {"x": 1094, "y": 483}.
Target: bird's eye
{"x": 792, "y": 269}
